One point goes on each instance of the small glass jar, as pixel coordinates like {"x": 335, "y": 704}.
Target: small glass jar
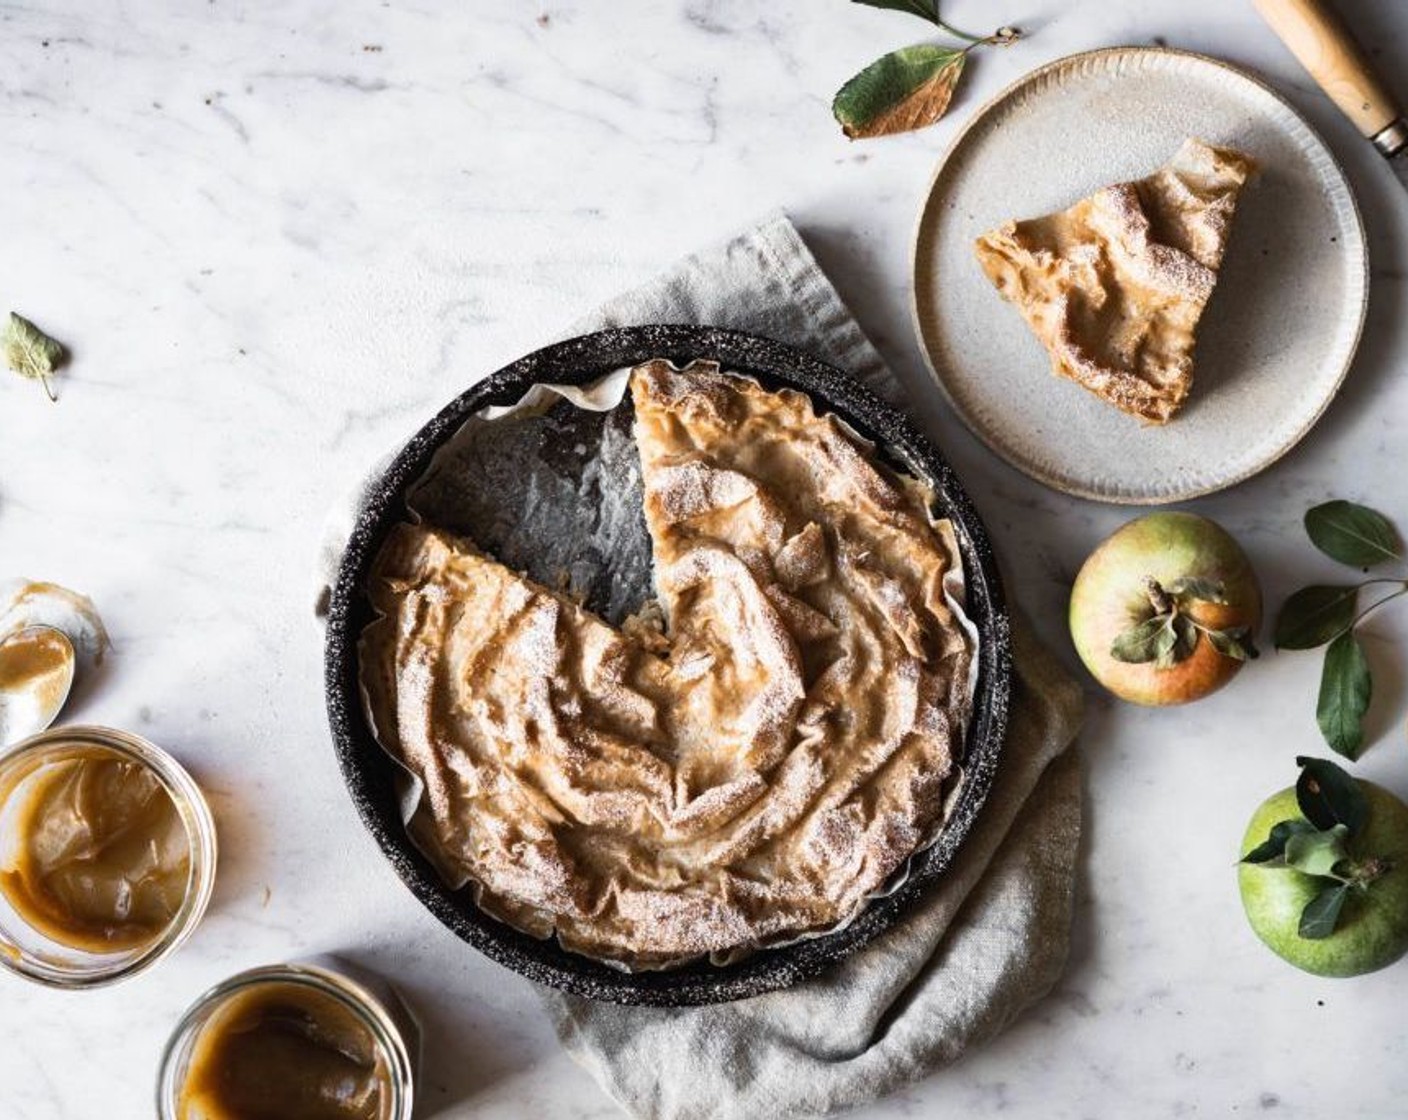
{"x": 366, "y": 1001}
{"x": 44, "y": 956}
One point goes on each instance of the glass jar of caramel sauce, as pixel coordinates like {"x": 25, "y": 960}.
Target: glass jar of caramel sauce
{"x": 107, "y": 856}
{"x": 297, "y": 1041}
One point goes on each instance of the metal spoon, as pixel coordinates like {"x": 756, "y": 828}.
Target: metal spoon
{"x": 37, "y": 665}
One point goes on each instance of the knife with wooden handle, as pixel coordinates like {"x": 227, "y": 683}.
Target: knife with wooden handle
{"x": 1325, "y": 48}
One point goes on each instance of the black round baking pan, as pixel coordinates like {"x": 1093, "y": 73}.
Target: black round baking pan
{"x": 370, "y": 774}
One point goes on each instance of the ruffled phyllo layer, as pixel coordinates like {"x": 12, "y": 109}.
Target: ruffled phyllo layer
{"x": 750, "y": 757}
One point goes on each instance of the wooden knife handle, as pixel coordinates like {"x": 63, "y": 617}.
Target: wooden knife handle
{"x": 1318, "y": 38}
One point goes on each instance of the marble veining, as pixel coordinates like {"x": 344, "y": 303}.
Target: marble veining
{"x": 278, "y": 237}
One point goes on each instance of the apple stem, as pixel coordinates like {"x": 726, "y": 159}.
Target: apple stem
{"x": 1366, "y": 871}
{"x": 1160, "y": 599}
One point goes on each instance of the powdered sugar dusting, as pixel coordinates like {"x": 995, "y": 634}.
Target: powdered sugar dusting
{"x": 756, "y": 772}
{"x": 1114, "y": 286}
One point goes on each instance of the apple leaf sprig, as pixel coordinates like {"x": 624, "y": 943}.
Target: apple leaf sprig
{"x": 1170, "y": 634}
{"x": 1334, "y": 812}
{"x": 909, "y": 88}
{"x": 1327, "y": 614}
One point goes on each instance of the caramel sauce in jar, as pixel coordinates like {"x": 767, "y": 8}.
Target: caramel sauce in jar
{"x": 93, "y": 853}
{"x": 281, "y": 1049}
{"x": 314, "y": 1040}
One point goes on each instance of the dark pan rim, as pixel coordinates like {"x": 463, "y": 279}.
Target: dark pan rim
{"x": 368, "y": 771}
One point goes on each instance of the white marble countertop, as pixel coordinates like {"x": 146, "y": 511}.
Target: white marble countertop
{"x": 279, "y": 235}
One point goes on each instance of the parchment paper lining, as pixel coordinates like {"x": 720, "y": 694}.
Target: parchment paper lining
{"x": 551, "y": 487}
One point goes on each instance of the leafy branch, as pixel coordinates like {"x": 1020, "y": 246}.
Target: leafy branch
{"x": 909, "y": 88}
{"x": 1334, "y": 811}
{"x": 1327, "y": 614}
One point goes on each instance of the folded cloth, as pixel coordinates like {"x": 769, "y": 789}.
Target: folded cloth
{"x": 985, "y": 942}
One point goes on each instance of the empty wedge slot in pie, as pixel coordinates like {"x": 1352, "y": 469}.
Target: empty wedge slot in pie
{"x": 1115, "y": 285}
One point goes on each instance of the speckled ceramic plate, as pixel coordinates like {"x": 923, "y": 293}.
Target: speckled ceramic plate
{"x": 369, "y": 771}
{"x": 1276, "y": 339}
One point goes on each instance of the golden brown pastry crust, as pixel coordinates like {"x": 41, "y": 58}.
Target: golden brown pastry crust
{"x": 1115, "y": 285}
{"x": 759, "y": 772}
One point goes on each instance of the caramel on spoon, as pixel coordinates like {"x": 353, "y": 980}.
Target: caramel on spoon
{"x": 36, "y": 673}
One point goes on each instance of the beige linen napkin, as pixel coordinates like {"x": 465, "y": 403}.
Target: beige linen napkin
{"x": 988, "y": 940}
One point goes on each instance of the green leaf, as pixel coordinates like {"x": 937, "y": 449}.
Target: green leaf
{"x": 30, "y": 352}
{"x": 1143, "y": 642}
{"x": 1193, "y": 587}
{"x": 906, "y": 89}
{"x": 1234, "y": 642}
{"x": 1314, "y": 615}
{"x": 1166, "y": 646}
{"x": 924, "y": 9}
{"x": 1328, "y": 796}
{"x": 1317, "y": 853}
{"x": 1352, "y": 534}
{"x": 1274, "y": 846}
{"x": 1317, "y": 920}
{"x": 1185, "y": 641}
{"x": 1345, "y": 691}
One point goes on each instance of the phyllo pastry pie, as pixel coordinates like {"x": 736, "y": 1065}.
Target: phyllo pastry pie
{"x": 752, "y": 756}
{"x": 1115, "y": 285}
